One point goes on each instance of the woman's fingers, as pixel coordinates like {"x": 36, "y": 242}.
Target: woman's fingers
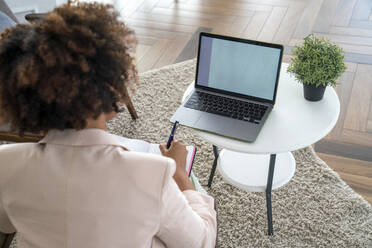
{"x": 163, "y": 148}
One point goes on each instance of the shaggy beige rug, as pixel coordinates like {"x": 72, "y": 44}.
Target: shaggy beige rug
{"x": 315, "y": 209}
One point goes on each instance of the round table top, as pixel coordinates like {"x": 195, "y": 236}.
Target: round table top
{"x": 294, "y": 122}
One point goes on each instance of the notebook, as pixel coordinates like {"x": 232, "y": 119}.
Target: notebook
{"x": 235, "y": 86}
{"x": 146, "y": 147}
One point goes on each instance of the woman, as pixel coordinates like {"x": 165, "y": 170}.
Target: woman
{"x": 79, "y": 187}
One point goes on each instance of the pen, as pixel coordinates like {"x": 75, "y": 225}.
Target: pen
{"x": 172, "y": 135}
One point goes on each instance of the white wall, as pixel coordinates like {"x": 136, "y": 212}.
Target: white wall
{"x": 39, "y": 6}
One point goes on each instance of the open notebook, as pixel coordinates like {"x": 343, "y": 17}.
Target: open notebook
{"x": 143, "y": 146}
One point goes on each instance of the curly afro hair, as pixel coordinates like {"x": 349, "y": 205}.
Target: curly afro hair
{"x": 73, "y": 65}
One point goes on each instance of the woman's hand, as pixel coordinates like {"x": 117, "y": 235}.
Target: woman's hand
{"x": 177, "y": 151}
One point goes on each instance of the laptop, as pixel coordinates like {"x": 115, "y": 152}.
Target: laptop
{"x": 235, "y": 87}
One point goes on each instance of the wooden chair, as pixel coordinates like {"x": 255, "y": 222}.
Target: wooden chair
{"x": 6, "y": 239}
{"x": 6, "y": 135}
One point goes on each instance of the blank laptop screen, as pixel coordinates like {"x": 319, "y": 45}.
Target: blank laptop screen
{"x": 238, "y": 67}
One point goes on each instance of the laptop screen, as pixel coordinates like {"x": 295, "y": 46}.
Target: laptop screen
{"x": 238, "y": 66}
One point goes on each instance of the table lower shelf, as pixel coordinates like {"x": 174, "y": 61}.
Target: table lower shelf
{"x": 249, "y": 171}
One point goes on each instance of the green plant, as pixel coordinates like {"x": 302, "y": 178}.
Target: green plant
{"x": 317, "y": 61}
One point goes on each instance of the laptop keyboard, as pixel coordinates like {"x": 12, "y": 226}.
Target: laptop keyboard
{"x": 245, "y": 111}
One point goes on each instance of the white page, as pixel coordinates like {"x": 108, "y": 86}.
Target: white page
{"x": 134, "y": 144}
{"x": 143, "y": 146}
{"x": 154, "y": 148}
{"x": 190, "y": 156}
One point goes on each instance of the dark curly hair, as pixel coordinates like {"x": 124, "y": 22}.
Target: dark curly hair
{"x": 73, "y": 65}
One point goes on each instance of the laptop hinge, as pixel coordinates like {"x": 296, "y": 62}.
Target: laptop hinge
{"x": 234, "y": 97}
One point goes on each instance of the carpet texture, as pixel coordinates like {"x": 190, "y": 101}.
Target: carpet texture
{"x": 315, "y": 209}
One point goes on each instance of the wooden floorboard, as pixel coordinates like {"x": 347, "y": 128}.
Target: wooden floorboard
{"x": 344, "y": 12}
{"x": 127, "y": 8}
{"x": 193, "y": 14}
{"x": 358, "y": 58}
{"x": 230, "y": 7}
{"x": 308, "y": 19}
{"x": 349, "y": 39}
{"x": 357, "y": 173}
{"x": 220, "y": 10}
{"x": 362, "y": 10}
{"x": 167, "y": 32}
{"x": 344, "y": 149}
{"x": 141, "y": 51}
{"x": 154, "y": 33}
{"x": 186, "y": 29}
{"x": 358, "y": 110}
{"x": 236, "y": 29}
{"x": 369, "y": 126}
{"x": 163, "y": 18}
{"x": 288, "y": 25}
{"x": 344, "y": 92}
{"x": 170, "y": 55}
{"x": 361, "y": 24}
{"x": 356, "y": 137}
{"x": 360, "y": 184}
{"x": 349, "y": 166}
{"x": 146, "y": 6}
{"x": 255, "y": 26}
{"x": 325, "y": 16}
{"x": 350, "y": 66}
{"x": 272, "y": 24}
{"x": 148, "y": 61}
{"x": 191, "y": 48}
{"x": 360, "y": 32}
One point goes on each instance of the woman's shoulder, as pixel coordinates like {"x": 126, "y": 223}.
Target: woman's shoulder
{"x": 16, "y": 150}
{"x": 13, "y": 157}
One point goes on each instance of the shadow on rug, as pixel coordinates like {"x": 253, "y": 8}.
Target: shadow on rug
{"x": 315, "y": 209}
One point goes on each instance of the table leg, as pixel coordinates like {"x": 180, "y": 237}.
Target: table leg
{"x": 268, "y": 194}
{"x": 214, "y": 166}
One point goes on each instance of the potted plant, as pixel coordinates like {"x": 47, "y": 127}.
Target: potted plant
{"x": 317, "y": 63}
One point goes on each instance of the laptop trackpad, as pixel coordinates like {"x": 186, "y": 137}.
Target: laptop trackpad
{"x": 215, "y": 123}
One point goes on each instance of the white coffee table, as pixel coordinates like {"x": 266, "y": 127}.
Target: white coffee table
{"x": 294, "y": 123}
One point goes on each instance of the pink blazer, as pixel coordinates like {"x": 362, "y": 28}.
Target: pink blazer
{"x": 83, "y": 189}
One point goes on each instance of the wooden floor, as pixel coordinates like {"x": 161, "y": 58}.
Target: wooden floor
{"x": 168, "y": 29}
{"x": 167, "y": 32}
